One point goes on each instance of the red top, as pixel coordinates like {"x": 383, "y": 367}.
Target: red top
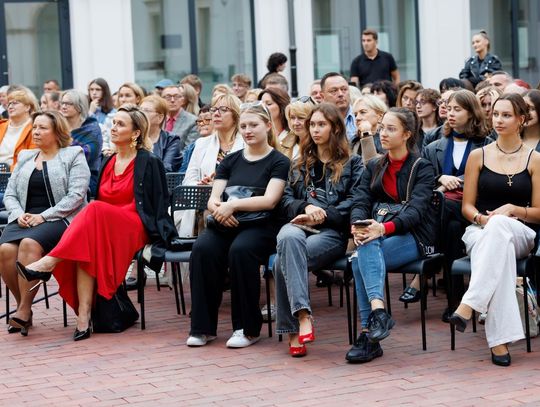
{"x": 390, "y": 187}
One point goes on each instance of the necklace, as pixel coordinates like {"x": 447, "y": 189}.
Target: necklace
{"x": 508, "y": 175}
{"x": 506, "y": 152}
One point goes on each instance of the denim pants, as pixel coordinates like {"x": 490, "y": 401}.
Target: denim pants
{"x": 299, "y": 252}
{"x": 369, "y": 267}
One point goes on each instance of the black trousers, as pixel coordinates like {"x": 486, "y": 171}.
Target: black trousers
{"x": 453, "y": 246}
{"x": 240, "y": 253}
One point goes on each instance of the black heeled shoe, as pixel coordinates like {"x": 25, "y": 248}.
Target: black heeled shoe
{"x": 19, "y": 325}
{"x": 81, "y": 335}
{"x": 31, "y": 275}
{"x": 13, "y": 330}
{"x": 458, "y": 321}
{"x": 501, "y": 360}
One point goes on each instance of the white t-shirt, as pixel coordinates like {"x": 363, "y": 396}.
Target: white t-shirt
{"x": 7, "y": 147}
{"x": 459, "y": 150}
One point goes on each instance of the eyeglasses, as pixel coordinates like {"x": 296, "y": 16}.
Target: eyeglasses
{"x": 334, "y": 91}
{"x": 420, "y": 102}
{"x": 221, "y": 109}
{"x": 305, "y": 99}
{"x": 13, "y": 103}
{"x": 67, "y": 104}
{"x": 203, "y": 122}
{"x": 173, "y": 97}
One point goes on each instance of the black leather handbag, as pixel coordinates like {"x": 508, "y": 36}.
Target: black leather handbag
{"x": 386, "y": 211}
{"x": 114, "y": 315}
{"x": 244, "y": 218}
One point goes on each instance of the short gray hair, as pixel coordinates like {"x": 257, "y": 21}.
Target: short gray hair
{"x": 79, "y": 100}
{"x": 3, "y": 89}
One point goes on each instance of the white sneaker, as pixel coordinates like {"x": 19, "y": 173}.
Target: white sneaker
{"x": 199, "y": 340}
{"x": 264, "y": 313}
{"x": 239, "y": 340}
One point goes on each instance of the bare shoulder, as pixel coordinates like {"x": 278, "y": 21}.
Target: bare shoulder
{"x": 534, "y": 162}
{"x": 476, "y": 156}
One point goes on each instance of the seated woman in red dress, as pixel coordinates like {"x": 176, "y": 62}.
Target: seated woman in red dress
{"x": 129, "y": 211}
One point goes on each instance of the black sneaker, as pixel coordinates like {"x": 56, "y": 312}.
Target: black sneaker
{"x": 379, "y": 324}
{"x": 363, "y": 350}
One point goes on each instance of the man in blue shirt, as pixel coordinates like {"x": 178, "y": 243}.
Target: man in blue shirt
{"x": 335, "y": 90}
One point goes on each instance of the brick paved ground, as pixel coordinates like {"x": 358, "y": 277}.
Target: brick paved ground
{"x": 155, "y": 366}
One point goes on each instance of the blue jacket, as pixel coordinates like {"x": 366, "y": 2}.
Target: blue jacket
{"x": 88, "y": 136}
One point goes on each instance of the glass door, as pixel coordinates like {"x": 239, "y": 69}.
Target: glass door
{"x": 35, "y": 43}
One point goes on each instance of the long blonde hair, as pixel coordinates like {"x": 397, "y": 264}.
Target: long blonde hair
{"x": 139, "y": 122}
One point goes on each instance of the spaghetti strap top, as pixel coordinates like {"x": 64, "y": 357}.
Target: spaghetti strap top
{"x": 495, "y": 189}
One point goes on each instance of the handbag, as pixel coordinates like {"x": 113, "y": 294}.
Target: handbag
{"x": 244, "y": 218}
{"x": 386, "y": 211}
{"x": 114, "y": 315}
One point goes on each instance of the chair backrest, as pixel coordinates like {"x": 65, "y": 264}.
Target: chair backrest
{"x": 174, "y": 179}
{"x": 4, "y": 167}
{"x": 4, "y": 178}
{"x": 190, "y": 197}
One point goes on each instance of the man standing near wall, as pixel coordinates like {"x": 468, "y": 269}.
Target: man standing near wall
{"x": 373, "y": 64}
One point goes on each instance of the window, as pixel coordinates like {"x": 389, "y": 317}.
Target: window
{"x": 527, "y": 34}
{"x": 161, "y": 40}
{"x": 395, "y": 22}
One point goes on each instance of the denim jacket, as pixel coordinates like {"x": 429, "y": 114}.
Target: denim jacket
{"x": 339, "y": 196}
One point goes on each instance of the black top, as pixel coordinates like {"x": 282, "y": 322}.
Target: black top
{"x": 167, "y": 147}
{"x": 476, "y": 68}
{"x": 495, "y": 189}
{"x": 37, "y": 200}
{"x": 370, "y": 70}
{"x": 240, "y": 172}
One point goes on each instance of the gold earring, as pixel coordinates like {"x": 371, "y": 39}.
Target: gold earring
{"x": 133, "y": 143}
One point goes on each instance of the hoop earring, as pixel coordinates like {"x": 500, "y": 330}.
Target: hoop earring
{"x": 133, "y": 143}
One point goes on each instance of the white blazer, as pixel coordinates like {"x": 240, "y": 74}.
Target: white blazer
{"x": 202, "y": 163}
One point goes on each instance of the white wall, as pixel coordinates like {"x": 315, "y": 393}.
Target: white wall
{"x": 444, "y": 39}
{"x": 101, "y": 41}
{"x": 272, "y": 33}
{"x": 304, "y": 45}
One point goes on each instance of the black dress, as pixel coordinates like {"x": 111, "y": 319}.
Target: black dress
{"x": 47, "y": 234}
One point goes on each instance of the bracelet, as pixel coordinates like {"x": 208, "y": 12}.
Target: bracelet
{"x": 475, "y": 218}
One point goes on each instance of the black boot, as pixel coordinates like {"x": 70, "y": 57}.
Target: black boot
{"x": 363, "y": 350}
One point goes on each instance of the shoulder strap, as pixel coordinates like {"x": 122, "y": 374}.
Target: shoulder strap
{"x": 411, "y": 175}
{"x": 529, "y": 158}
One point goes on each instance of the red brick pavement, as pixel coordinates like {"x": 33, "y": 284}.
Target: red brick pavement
{"x": 155, "y": 366}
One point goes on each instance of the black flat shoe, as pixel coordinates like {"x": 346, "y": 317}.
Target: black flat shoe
{"x": 31, "y": 275}
{"x": 363, "y": 350}
{"x": 501, "y": 360}
{"x": 81, "y": 335}
{"x": 379, "y": 324}
{"x": 410, "y": 295}
{"x": 459, "y": 322}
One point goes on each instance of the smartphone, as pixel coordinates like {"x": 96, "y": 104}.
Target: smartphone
{"x": 307, "y": 228}
{"x": 362, "y": 223}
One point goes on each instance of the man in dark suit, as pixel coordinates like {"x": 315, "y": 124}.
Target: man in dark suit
{"x": 178, "y": 121}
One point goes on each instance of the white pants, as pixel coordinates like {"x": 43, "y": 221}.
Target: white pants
{"x": 492, "y": 288}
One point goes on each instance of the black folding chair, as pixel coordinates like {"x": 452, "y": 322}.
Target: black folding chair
{"x": 184, "y": 197}
{"x": 525, "y": 268}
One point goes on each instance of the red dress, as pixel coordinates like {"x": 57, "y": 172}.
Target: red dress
{"x": 102, "y": 238}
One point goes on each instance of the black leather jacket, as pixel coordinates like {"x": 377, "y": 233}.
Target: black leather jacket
{"x": 339, "y": 196}
{"x": 475, "y": 70}
{"x": 167, "y": 147}
{"x": 418, "y": 217}
{"x": 151, "y": 201}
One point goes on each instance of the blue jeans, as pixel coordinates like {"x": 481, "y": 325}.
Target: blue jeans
{"x": 369, "y": 268}
{"x": 297, "y": 253}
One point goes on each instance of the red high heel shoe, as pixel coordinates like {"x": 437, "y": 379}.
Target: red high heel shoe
{"x": 309, "y": 337}
{"x": 297, "y": 351}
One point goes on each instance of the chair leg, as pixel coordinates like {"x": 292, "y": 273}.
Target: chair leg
{"x": 526, "y": 314}
{"x": 7, "y": 305}
{"x": 388, "y": 305}
{"x": 175, "y": 286}
{"x": 452, "y": 337}
{"x": 404, "y": 276}
{"x": 64, "y": 313}
{"x": 474, "y": 321}
{"x": 269, "y": 315}
{"x": 423, "y": 306}
{"x": 349, "y": 322}
{"x": 181, "y": 289}
{"x": 434, "y": 284}
{"x": 329, "y": 295}
{"x": 355, "y": 315}
{"x": 140, "y": 287}
{"x": 341, "y": 296}
{"x": 46, "y": 295}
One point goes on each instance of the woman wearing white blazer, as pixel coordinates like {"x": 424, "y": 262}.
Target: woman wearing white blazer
{"x": 209, "y": 151}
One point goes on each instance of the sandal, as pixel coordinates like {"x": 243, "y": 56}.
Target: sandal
{"x": 410, "y": 295}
